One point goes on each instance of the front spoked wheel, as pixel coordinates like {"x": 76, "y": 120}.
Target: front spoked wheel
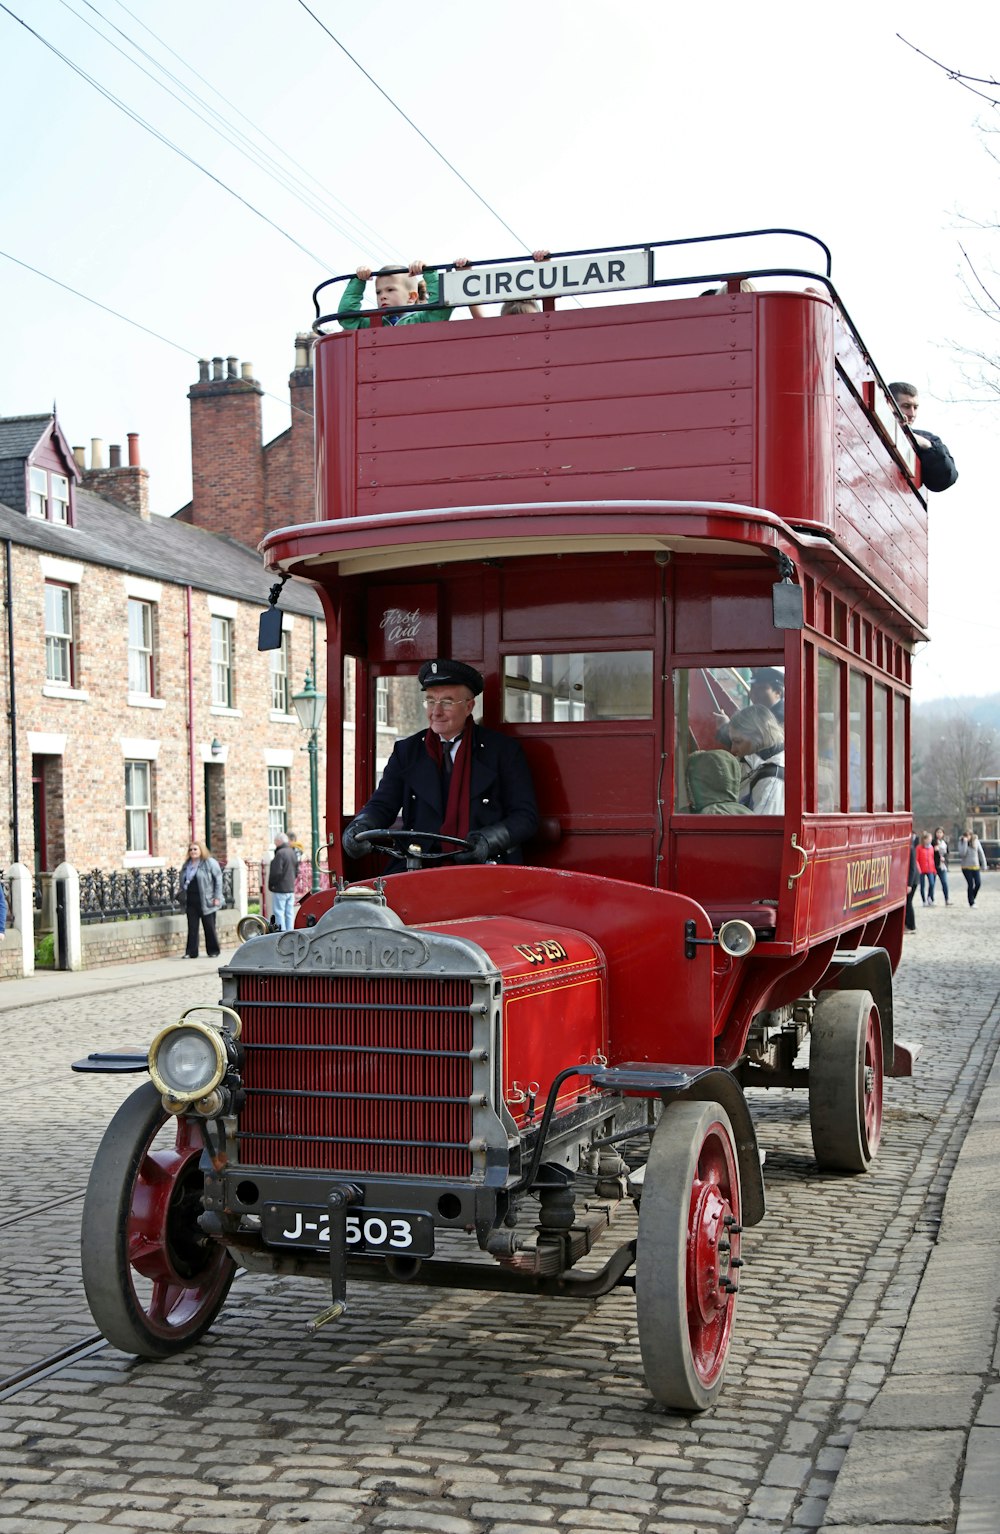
{"x": 154, "y": 1281}
{"x": 688, "y": 1255}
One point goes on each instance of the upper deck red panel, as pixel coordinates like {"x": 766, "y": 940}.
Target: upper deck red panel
{"x": 750, "y": 398}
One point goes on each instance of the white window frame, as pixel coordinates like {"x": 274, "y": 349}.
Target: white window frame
{"x": 277, "y": 801}
{"x": 138, "y": 807}
{"x": 58, "y": 498}
{"x": 280, "y": 669}
{"x": 38, "y": 492}
{"x": 141, "y": 668}
{"x": 59, "y": 641}
{"x": 222, "y": 662}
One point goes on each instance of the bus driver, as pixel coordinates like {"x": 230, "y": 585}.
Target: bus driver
{"x": 455, "y": 777}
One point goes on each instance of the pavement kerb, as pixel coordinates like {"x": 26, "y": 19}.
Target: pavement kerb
{"x": 52, "y": 985}
{"x": 927, "y": 1454}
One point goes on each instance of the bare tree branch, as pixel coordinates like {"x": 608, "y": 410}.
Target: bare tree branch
{"x": 968, "y": 82}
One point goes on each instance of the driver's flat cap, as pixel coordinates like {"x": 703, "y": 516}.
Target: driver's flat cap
{"x": 450, "y": 673}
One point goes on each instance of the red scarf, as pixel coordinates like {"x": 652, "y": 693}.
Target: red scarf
{"x": 456, "y": 815}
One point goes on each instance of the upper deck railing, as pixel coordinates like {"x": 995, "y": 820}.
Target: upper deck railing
{"x": 544, "y": 290}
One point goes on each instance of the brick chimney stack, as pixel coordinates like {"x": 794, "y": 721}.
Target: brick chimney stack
{"x": 300, "y": 388}
{"x": 128, "y": 484}
{"x": 227, "y": 457}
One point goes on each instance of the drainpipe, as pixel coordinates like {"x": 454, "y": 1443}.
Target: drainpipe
{"x": 190, "y": 682}
{"x": 15, "y": 825}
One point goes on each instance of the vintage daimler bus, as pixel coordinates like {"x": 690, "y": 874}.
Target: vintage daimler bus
{"x": 637, "y": 519}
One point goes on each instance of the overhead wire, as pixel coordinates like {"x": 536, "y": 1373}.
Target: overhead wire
{"x": 161, "y": 137}
{"x": 126, "y": 319}
{"x": 397, "y": 108}
{"x": 345, "y": 224}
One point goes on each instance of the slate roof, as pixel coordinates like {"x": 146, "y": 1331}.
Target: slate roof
{"x": 19, "y": 434}
{"x": 160, "y": 549}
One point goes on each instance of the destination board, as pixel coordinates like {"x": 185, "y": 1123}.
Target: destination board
{"x": 576, "y": 275}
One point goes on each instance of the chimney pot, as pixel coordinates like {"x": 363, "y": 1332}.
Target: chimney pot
{"x": 203, "y": 367}
{"x": 96, "y": 453}
{"x": 303, "y": 344}
{"x": 233, "y": 363}
{"x": 216, "y": 368}
{"x": 80, "y": 455}
{"x": 135, "y": 461}
{"x": 246, "y": 371}
{"x": 116, "y": 455}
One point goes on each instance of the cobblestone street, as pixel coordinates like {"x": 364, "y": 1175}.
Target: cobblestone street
{"x": 474, "y": 1413}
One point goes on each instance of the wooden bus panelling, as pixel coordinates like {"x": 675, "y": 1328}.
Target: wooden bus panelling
{"x": 748, "y": 398}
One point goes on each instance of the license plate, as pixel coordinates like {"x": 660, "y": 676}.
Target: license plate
{"x": 383, "y": 1231}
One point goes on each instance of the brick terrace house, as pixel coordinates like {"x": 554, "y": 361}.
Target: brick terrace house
{"x": 138, "y": 709}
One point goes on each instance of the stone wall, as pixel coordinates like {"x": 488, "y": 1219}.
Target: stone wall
{"x": 156, "y": 937}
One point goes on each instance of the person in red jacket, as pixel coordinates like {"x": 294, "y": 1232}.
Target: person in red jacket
{"x": 926, "y": 869}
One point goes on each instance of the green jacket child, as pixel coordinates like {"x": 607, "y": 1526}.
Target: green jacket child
{"x": 394, "y": 289}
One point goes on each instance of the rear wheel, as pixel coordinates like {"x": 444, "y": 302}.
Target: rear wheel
{"x": 154, "y": 1281}
{"x": 688, "y": 1255}
{"x": 846, "y": 1080}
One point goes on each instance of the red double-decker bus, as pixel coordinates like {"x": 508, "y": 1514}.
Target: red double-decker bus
{"x": 682, "y": 537}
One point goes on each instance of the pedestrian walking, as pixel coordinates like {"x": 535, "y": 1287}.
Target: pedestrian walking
{"x": 281, "y": 881}
{"x": 926, "y": 869}
{"x": 940, "y": 845}
{"x": 973, "y": 863}
{"x": 912, "y": 880}
{"x": 201, "y": 886}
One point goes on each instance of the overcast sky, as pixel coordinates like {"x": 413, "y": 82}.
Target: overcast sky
{"x": 578, "y": 123}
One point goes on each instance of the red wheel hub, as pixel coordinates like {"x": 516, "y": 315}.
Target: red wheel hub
{"x": 712, "y": 1256}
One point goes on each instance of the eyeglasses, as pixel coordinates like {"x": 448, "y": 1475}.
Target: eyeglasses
{"x": 430, "y": 704}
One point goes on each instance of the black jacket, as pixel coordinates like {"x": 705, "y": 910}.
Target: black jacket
{"x": 937, "y": 466}
{"x": 500, "y": 785}
{"x": 281, "y": 875}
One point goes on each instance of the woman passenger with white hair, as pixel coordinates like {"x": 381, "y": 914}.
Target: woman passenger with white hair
{"x": 756, "y": 737}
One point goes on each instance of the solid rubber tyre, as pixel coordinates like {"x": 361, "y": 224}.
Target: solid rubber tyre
{"x": 687, "y": 1258}
{"x": 154, "y": 1281}
{"x": 846, "y": 1081}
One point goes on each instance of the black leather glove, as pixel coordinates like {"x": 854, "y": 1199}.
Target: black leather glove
{"x": 349, "y": 841}
{"x": 487, "y": 843}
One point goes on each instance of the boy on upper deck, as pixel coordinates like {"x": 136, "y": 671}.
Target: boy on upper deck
{"x": 396, "y": 287}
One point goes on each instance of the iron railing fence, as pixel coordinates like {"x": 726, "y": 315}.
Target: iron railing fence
{"x": 132, "y": 893}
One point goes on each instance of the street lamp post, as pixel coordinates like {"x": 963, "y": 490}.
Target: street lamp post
{"x": 309, "y": 705}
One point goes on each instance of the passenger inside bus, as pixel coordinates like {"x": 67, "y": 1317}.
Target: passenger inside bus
{"x": 758, "y": 741}
{"x": 714, "y": 781}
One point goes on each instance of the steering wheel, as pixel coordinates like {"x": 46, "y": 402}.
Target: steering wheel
{"x": 405, "y": 844}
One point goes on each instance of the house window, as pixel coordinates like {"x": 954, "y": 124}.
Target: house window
{"x": 279, "y": 677}
{"x": 38, "y": 485}
{"x": 140, "y": 648}
{"x": 59, "y": 665}
{"x": 59, "y": 498}
{"x": 222, "y": 662}
{"x": 382, "y": 701}
{"x": 138, "y": 807}
{"x": 277, "y": 800}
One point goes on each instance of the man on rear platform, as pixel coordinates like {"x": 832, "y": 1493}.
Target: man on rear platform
{"x": 456, "y": 777}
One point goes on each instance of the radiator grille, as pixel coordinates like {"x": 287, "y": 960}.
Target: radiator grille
{"x": 358, "y": 1074}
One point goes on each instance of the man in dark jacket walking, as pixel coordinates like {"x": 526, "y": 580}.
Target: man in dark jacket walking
{"x": 937, "y": 466}
{"x": 455, "y": 777}
{"x": 281, "y": 881}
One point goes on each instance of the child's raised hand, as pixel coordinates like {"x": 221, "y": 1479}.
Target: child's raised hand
{"x": 539, "y": 255}
{"x": 364, "y": 273}
{"x": 416, "y": 267}
{"x": 460, "y": 263}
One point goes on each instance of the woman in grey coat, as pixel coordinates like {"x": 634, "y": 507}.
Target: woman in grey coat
{"x": 201, "y": 886}
{"x": 973, "y": 857}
